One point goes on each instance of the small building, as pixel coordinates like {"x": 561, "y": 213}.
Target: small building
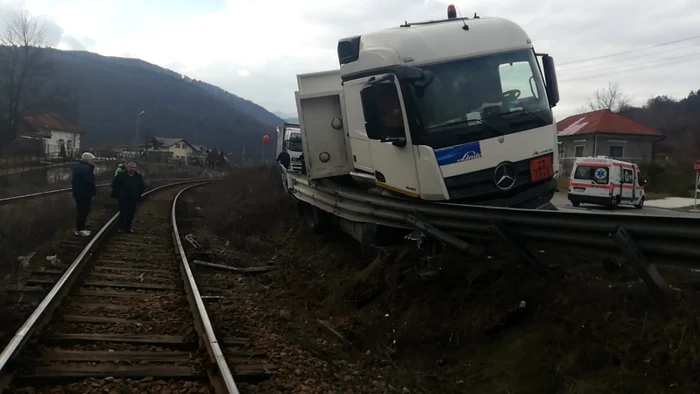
{"x": 58, "y": 136}
{"x": 178, "y": 147}
{"x": 604, "y": 133}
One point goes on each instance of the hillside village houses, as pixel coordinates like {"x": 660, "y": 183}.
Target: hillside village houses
{"x": 47, "y": 133}
{"x": 176, "y": 148}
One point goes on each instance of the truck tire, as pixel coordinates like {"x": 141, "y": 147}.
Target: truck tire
{"x": 641, "y": 204}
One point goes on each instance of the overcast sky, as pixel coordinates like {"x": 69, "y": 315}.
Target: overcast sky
{"x": 255, "y": 48}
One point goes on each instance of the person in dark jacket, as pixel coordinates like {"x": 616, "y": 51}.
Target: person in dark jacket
{"x": 127, "y": 188}
{"x": 283, "y": 158}
{"x": 84, "y": 189}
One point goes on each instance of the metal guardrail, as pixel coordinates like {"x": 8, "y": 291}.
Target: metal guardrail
{"x": 7, "y": 200}
{"x": 662, "y": 240}
{"x": 62, "y": 286}
{"x": 221, "y": 378}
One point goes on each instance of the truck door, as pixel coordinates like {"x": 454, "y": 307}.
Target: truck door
{"x": 389, "y": 138}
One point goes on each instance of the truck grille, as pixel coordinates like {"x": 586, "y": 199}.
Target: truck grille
{"x": 296, "y": 165}
{"x": 476, "y": 186}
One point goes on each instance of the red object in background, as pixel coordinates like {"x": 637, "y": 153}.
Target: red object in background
{"x": 697, "y": 167}
{"x": 266, "y": 139}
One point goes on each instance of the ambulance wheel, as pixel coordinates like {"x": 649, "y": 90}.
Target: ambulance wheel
{"x": 641, "y": 204}
{"x": 575, "y": 203}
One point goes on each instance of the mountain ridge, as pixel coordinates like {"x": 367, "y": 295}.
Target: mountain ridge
{"x": 104, "y": 94}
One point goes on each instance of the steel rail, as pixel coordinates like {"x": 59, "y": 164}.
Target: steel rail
{"x": 45, "y": 309}
{"x": 6, "y": 200}
{"x": 221, "y": 379}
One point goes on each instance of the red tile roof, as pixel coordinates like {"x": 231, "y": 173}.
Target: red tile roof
{"x": 602, "y": 121}
{"x": 50, "y": 121}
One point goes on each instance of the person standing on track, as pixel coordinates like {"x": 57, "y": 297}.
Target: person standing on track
{"x": 127, "y": 188}
{"x": 84, "y": 189}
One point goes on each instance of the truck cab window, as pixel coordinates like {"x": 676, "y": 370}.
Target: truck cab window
{"x": 382, "y": 111}
{"x": 517, "y": 77}
{"x": 480, "y": 98}
{"x": 391, "y": 109}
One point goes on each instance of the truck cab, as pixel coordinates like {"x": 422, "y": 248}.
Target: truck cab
{"x": 291, "y": 139}
{"x": 455, "y": 110}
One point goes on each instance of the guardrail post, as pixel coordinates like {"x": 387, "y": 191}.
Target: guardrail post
{"x": 437, "y": 233}
{"x": 634, "y": 255}
{"x": 513, "y": 242}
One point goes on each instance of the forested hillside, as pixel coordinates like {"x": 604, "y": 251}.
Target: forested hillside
{"x": 679, "y": 120}
{"x": 104, "y": 95}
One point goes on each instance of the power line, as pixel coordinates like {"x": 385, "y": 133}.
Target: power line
{"x": 583, "y": 66}
{"x": 615, "y": 67}
{"x": 632, "y": 50}
{"x": 674, "y": 63}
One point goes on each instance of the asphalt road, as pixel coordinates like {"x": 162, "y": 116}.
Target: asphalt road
{"x": 563, "y": 204}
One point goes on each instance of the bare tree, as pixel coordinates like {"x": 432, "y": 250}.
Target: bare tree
{"x": 24, "y": 64}
{"x": 610, "y": 97}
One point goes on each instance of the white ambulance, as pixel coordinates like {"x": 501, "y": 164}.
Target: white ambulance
{"x": 604, "y": 181}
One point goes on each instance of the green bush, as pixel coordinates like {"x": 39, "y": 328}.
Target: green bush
{"x": 674, "y": 178}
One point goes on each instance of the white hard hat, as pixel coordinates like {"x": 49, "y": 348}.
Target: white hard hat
{"x": 87, "y": 156}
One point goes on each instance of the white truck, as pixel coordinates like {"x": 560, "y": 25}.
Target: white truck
{"x": 453, "y": 110}
{"x": 290, "y": 137}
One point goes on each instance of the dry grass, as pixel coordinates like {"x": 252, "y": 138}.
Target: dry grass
{"x": 485, "y": 324}
{"x": 26, "y": 225}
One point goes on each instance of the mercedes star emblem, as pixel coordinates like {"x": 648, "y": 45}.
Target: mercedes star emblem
{"x": 504, "y": 176}
{"x": 501, "y": 139}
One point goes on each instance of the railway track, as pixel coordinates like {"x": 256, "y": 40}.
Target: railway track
{"x": 126, "y": 316}
{"x": 20, "y": 298}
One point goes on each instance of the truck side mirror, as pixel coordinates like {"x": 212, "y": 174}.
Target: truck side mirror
{"x": 550, "y": 80}
{"x": 371, "y": 108}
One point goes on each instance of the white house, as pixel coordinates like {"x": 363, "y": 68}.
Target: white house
{"x": 58, "y": 136}
{"x": 179, "y": 148}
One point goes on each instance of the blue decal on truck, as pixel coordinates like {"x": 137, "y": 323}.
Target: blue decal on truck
{"x": 458, "y": 153}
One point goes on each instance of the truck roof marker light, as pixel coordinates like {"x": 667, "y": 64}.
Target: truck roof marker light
{"x": 451, "y": 12}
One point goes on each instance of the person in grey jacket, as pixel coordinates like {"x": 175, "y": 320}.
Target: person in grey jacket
{"x": 84, "y": 189}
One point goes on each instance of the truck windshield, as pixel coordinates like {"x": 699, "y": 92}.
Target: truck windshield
{"x": 483, "y": 97}
{"x": 294, "y": 143}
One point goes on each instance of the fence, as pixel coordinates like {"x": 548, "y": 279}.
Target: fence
{"x": 19, "y": 163}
